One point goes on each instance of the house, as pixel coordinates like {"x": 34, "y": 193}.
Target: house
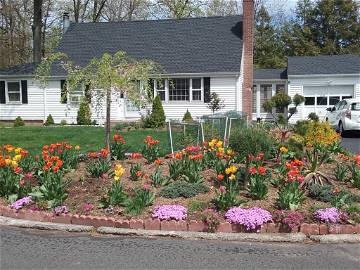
{"x": 322, "y": 80}
{"x": 199, "y": 56}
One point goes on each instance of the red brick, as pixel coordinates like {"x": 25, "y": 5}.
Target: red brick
{"x": 347, "y": 229}
{"x": 238, "y": 228}
{"x": 62, "y": 218}
{"x": 21, "y": 214}
{"x": 136, "y": 224}
{"x": 152, "y": 224}
{"x": 272, "y": 228}
{"x": 100, "y": 221}
{"x": 224, "y": 227}
{"x": 173, "y": 225}
{"x": 334, "y": 229}
{"x": 263, "y": 228}
{"x": 323, "y": 229}
{"x": 122, "y": 223}
{"x": 357, "y": 228}
{"x": 32, "y": 215}
{"x": 79, "y": 220}
{"x": 309, "y": 229}
{"x": 197, "y": 226}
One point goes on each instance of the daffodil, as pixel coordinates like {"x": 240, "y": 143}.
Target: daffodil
{"x": 232, "y": 177}
{"x": 119, "y": 171}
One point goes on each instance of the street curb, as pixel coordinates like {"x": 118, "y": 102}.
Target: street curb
{"x": 336, "y": 238}
{"x": 22, "y": 223}
{"x": 245, "y": 237}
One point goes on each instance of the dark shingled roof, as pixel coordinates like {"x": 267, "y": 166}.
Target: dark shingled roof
{"x": 24, "y": 69}
{"x": 270, "y": 74}
{"x": 324, "y": 64}
{"x": 192, "y": 45}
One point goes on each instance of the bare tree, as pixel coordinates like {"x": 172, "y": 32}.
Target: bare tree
{"x": 37, "y": 25}
{"x": 126, "y": 10}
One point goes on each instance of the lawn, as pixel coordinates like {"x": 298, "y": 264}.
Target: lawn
{"x": 89, "y": 138}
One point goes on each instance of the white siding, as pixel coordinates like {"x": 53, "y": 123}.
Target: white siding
{"x": 357, "y": 91}
{"x": 225, "y": 87}
{"x": 292, "y": 91}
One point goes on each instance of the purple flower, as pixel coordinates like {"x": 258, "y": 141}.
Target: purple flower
{"x": 168, "y": 212}
{"x": 62, "y": 209}
{"x": 331, "y": 215}
{"x": 21, "y": 203}
{"x": 251, "y": 218}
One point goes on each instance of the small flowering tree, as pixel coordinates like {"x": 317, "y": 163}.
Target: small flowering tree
{"x": 105, "y": 76}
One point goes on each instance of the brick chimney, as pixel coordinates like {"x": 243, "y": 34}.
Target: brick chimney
{"x": 248, "y": 51}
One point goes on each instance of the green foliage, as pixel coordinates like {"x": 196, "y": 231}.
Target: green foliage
{"x": 355, "y": 174}
{"x": 341, "y": 171}
{"x": 196, "y": 206}
{"x": 183, "y": 189}
{"x": 115, "y": 196}
{"x": 313, "y": 117}
{"x": 63, "y": 122}
{"x": 49, "y": 121}
{"x": 158, "y": 179}
{"x": 19, "y": 122}
{"x": 290, "y": 196}
{"x": 251, "y": 141}
{"x": 187, "y": 117}
{"x": 98, "y": 167}
{"x": 135, "y": 172}
{"x": 157, "y": 117}
{"x": 84, "y": 114}
{"x": 301, "y": 127}
{"x": 258, "y": 187}
{"x": 142, "y": 199}
{"x": 212, "y": 219}
{"x": 226, "y": 198}
{"x": 327, "y": 193}
{"x": 9, "y": 184}
{"x": 215, "y": 104}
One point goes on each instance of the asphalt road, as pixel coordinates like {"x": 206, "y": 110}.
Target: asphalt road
{"x": 29, "y": 249}
{"x": 352, "y": 142}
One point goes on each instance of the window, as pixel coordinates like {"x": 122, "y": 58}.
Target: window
{"x": 14, "y": 92}
{"x": 160, "y": 89}
{"x": 76, "y": 94}
{"x": 334, "y": 100}
{"x": 280, "y": 88}
{"x": 254, "y": 99}
{"x": 321, "y": 101}
{"x": 196, "y": 89}
{"x": 355, "y": 106}
{"x": 310, "y": 101}
{"x": 346, "y": 97}
{"x": 179, "y": 89}
{"x": 265, "y": 94}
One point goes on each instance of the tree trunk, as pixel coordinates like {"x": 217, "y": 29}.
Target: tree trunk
{"x": 37, "y": 24}
{"x": 107, "y": 124}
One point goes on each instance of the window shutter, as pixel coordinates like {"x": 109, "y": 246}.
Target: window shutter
{"x": 24, "y": 92}
{"x": 151, "y": 88}
{"x": 206, "y": 89}
{"x": 63, "y": 92}
{"x": 87, "y": 93}
{"x": 2, "y": 92}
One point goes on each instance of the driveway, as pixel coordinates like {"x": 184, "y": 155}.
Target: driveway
{"x": 27, "y": 249}
{"x": 351, "y": 142}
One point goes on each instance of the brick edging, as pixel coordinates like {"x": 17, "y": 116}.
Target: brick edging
{"x": 172, "y": 225}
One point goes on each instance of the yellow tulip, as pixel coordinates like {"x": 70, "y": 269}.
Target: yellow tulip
{"x": 232, "y": 177}
{"x": 8, "y": 161}
{"x": 77, "y": 147}
{"x": 14, "y": 164}
{"x": 17, "y": 158}
{"x": 18, "y": 150}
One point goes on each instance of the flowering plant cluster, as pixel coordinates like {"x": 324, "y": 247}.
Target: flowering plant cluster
{"x": 330, "y": 215}
{"x": 211, "y": 219}
{"x": 215, "y": 151}
{"x": 142, "y": 198}
{"x": 258, "y": 188}
{"x": 291, "y": 219}
{"x": 135, "y": 172}
{"x": 251, "y": 218}
{"x": 226, "y": 197}
{"x": 67, "y": 153}
{"x": 150, "y": 149}
{"x": 118, "y": 147}
{"x": 12, "y": 180}
{"x": 21, "y": 203}
{"x": 168, "y": 212}
{"x": 99, "y": 164}
{"x": 61, "y": 209}
{"x": 355, "y": 171}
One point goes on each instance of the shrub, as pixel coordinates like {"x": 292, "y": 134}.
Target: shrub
{"x": 251, "y": 141}
{"x": 302, "y": 126}
{"x": 187, "y": 117}
{"x": 251, "y": 218}
{"x": 49, "y": 121}
{"x": 63, "y": 122}
{"x": 84, "y": 114}
{"x": 169, "y": 212}
{"x": 313, "y": 116}
{"x": 320, "y": 134}
{"x": 19, "y": 122}
{"x": 196, "y": 206}
{"x": 157, "y": 117}
{"x": 215, "y": 104}
{"x": 183, "y": 189}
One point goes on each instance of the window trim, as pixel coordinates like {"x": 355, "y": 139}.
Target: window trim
{"x": 167, "y": 90}
{"x": 7, "y": 101}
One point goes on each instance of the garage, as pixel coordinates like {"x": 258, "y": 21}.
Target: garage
{"x": 318, "y": 98}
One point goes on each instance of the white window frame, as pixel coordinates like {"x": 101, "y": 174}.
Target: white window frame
{"x": 7, "y": 92}
{"x": 156, "y": 90}
{"x": 77, "y": 95}
{"x": 167, "y": 92}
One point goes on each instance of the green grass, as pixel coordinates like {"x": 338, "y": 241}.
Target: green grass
{"x": 32, "y": 138}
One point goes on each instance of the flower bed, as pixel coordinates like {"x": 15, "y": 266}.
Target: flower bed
{"x": 209, "y": 187}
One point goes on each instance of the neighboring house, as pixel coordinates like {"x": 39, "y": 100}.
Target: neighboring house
{"x": 199, "y": 55}
{"x": 322, "y": 80}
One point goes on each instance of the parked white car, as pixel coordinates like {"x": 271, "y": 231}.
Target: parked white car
{"x": 345, "y": 115}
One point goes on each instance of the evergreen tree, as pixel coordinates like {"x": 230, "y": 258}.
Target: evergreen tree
{"x": 157, "y": 117}
{"x": 268, "y": 50}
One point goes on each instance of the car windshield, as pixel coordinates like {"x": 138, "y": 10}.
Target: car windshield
{"x": 355, "y": 106}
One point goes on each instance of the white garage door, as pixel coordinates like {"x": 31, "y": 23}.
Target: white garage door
{"x": 318, "y": 98}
